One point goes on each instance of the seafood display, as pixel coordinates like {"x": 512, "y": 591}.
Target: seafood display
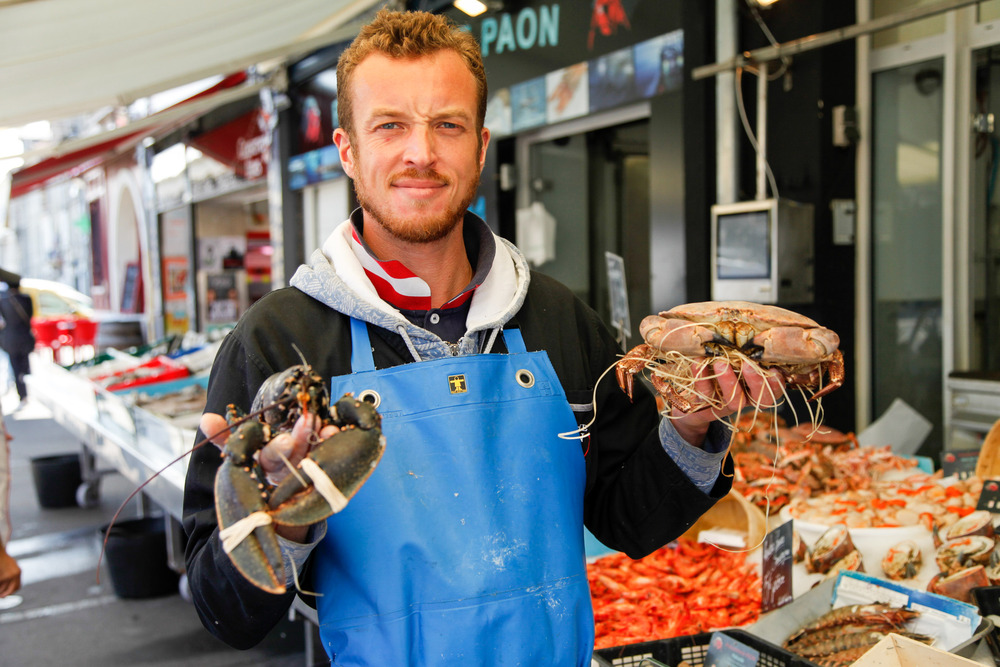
{"x": 961, "y": 564}
{"x": 776, "y": 465}
{"x": 919, "y": 499}
{"x": 842, "y": 635}
{"x": 681, "y": 589}
{"x": 681, "y": 343}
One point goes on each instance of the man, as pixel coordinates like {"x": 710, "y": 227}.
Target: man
{"x": 466, "y": 544}
{"x": 10, "y": 571}
{"x": 18, "y": 339}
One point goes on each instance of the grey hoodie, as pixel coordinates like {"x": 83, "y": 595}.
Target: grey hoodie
{"x": 335, "y": 277}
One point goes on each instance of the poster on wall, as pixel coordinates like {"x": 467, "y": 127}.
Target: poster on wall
{"x": 221, "y": 252}
{"x": 176, "y": 319}
{"x": 567, "y": 93}
{"x": 176, "y": 311}
{"x": 223, "y": 297}
{"x": 175, "y": 277}
{"x": 659, "y": 64}
{"x": 612, "y": 80}
{"x": 528, "y": 104}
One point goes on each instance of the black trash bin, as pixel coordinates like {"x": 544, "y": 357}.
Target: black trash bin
{"x": 57, "y": 479}
{"x": 136, "y": 557}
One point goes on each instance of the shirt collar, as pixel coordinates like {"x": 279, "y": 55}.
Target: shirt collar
{"x": 401, "y": 288}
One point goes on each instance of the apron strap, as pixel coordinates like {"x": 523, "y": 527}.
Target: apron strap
{"x": 514, "y": 341}
{"x": 361, "y": 348}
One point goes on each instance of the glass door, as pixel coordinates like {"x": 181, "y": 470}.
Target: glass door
{"x": 589, "y": 195}
{"x": 907, "y": 236}
{"x": 984, "y": 215}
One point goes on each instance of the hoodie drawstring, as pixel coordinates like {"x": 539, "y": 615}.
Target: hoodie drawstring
{"x": 409, "y": 343}
{"x": 493, "y": 338}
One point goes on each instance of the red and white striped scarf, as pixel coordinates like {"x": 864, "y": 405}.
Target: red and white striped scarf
{"x": 396, "y": 284}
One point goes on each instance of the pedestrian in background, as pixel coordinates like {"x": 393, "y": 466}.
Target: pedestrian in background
{"x": 10, "y": 572}
{"x": 17, "y": 338}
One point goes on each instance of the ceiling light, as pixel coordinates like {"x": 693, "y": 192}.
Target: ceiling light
{"x": 763, "y": 3}
{"x": 471, "y": 7}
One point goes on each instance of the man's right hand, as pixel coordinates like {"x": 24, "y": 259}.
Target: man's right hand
{"x": 10, "y": 574}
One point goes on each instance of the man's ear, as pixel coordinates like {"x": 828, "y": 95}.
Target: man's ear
{"x": 343, "y": 142}
{"x": 486, "y": 144}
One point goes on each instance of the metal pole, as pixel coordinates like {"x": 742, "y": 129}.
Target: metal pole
{"x": 762, "y": 131}
{"x": 769, "y": 53}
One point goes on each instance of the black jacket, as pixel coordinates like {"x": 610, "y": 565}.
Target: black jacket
{"x": 636, "y": 498}
{"x": 16, "y": 310}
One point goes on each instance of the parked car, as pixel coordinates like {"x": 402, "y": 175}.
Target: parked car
{"x": 63, "y": 316}
{"x": 52, "y": 299}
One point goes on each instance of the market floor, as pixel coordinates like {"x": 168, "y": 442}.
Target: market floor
{"x": 64, "y": 613}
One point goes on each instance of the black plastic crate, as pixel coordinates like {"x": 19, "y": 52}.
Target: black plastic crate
{"x": 693, "y": 648}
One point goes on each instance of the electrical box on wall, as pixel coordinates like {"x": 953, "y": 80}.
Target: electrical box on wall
{"x": 762, "y": 251}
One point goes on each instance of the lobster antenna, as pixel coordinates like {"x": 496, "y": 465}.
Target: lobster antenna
{"x": 302, "y": 357}
{"x": 197, "y": 446}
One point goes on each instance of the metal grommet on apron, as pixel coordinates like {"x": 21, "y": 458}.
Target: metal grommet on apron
{"x": 525, "y": 378}
{"x": 370, "y": 396}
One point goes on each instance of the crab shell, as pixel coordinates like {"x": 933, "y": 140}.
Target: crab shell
{"x": 959, "y": 585}
{"x": 770, "y": 334}
{"x": 902, "y": 561}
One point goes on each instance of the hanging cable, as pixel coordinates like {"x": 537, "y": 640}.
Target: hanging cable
{"x": 738, "y": 79}
{"x": 785, "y": 60}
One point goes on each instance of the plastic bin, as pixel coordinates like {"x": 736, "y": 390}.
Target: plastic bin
{"x": 693, "y": 648}
{"x": 56, "y": 479}
{"x": 987, "y": 598}
{"x": 136, "y": 557}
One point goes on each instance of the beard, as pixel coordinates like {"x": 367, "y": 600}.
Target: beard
{"x": 413, "y": 230}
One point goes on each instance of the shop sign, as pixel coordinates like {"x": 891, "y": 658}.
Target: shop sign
{"x": 528, "y": 29}
{"x": 549, "y": 62}
{"x": 241, "y": 147}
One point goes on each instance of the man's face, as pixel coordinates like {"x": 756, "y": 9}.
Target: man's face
{"x": 415, "y": 154}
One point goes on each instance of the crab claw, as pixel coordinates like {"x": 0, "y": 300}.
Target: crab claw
{"x": 633, "y": 362}
{"x": 835, "y": 371}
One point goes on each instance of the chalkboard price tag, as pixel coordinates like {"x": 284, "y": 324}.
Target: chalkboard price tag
{"x": 726, "y": 651}
{"x": 776, "y": 568}
{"x": 959, "y": 463}
{"x": 989, "y": 497}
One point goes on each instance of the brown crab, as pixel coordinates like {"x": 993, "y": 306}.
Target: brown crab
{"x": 773, "y": 338}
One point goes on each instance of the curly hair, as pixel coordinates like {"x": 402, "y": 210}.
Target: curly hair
{"x": 407, "y": 35}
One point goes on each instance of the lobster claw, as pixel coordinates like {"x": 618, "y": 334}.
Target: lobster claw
{"x": 336, "y": 468}
{"x": 257, "y": 555}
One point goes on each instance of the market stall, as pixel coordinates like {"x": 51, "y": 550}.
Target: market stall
{"x": 111, "y": 406}
{"x": 137, "y": 415}
{"x": 870, "y": 527}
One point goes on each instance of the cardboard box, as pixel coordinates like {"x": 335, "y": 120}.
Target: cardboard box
{"x": 898, "y": 651}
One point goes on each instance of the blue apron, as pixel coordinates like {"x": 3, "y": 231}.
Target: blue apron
{"x": 465, "y": 547}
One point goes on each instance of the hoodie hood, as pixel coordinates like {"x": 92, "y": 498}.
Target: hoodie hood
{"x": 335, "y": 277}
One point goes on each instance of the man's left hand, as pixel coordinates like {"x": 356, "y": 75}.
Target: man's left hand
{"x": 752, "y": 388}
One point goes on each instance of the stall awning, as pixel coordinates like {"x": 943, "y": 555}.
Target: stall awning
{"x": 69, "y": 165}
{"x": 74, "y": 157}
{"x": 60, "y": 58}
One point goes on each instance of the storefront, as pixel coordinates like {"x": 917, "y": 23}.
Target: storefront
{"x": 578, "y": 103}
{"x": 214, "y": 223}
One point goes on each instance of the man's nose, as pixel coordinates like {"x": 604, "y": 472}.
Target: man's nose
{"x": 420, "y": 147}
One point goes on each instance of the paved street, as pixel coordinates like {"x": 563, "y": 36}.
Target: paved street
{"x": 63, "y": 615}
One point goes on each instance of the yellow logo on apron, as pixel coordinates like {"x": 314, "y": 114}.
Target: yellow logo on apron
{"x": 457, "y": 384}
